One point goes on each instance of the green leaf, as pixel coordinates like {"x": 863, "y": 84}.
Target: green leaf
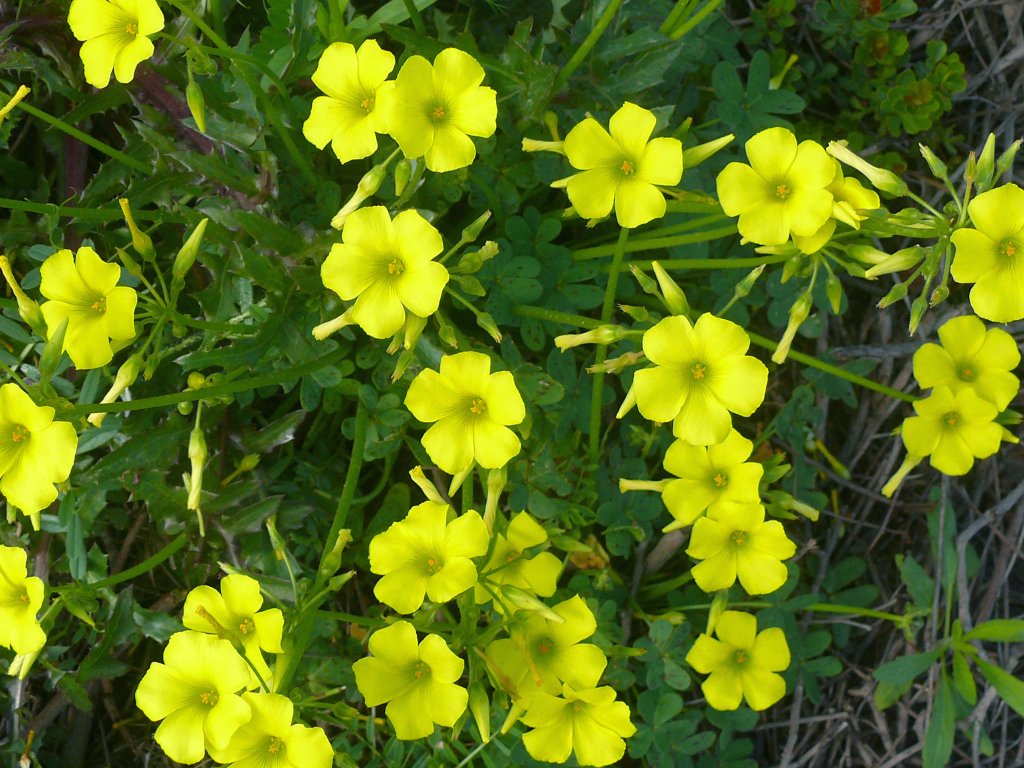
{"x": 919, "y": 584}
{"x": 1001, "y": 630}
{"x": 904, "y": 669}
{"x": 963, "y": 678}
{"x": 669, "y": 705}
{"x": 938, "y": 741}
{"x": 1009, "y": 688}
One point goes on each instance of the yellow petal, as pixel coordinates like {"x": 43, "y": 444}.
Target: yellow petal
{"x": 475, "y": 112}
{"x": 631, "y": 127}
{"x": 999, "y": 296}
{"x": 130, "y": 56}
{"x": 494, "y": 445}
{"x": 708, "y": 654}
{"x": 767, "y": 223}
{"x": 761, "y": 688}
{"x": 637, "y": 202}
{"x": 450, "y": 149}
{"x": 999, "y": 213}
{"x": 588, "y": 145}
{"x": 771, "y": 651}
{"x": 771, "y": 153}
{"x": 759, "y": 572}
{"x": 661, "y": 162}
{"x": 375, "y": 64}
{"x": 952, "y": 456}
{"x": 181, "y": 735}
{"x": 432, "y": 397}
{"x": 450, "y": 444}
{"x": 660, "y": 393}
{"x": 445, "y": 666}
{"x": 703, "y": 419}
{"x": 456, "y": 576}
{"x": 98, "y": 57}
{"x": 379, "y": 310}
{"x": 723, "y": 689}
{"x": 592, "y": 193}
{"x": 504, "y": 403}
{"x": 975, "y": 257}
{"x": 740, "y": 189}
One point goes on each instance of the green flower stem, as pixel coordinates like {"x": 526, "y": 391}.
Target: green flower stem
{"x": 348, "y": 490}
{"x": 10, "y": 372}
{"x": 602, "y": 350}
{"x": 257, "y": 382}
{"x": 414, "y": 14}
{"x": 97, "y": 214}
{"x": 686, "y": 226}
{"x": 467, "y": 493}
{"x": 853, "y": 378}
{"x": 656, "y": 243}
{"x": 144, "y": 567}
{"x": 682, "y": 9}
{"x": 362, "y": 621}
{"x": 922, "y": 203}
{"x": 85, "y": 138}
{"x": 696, "y": 19}
{"x": 231, "y": 53}
{"x": 236, "y": 329}
{"x": 692, "y": 206}
{"x": 588, "y": 45}
{"x": 555, "y": 316}
{"x": 672, "y": 264}
{"x": 849, "y": 610}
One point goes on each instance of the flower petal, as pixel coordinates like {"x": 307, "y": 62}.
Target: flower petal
{"x": 723, "y": 689}
{"x": 708, "y": 654}
{"x": 766, "y": 224}
{"x": 689, "y": 462}
{"x": 770, "y": 538}
{"x": 450, "y": 444}
{"x": 999, "y": 213}
{"x": 450, "y": 150}
{"x": 702, "y": 419}
{"x": 456, "y": 576}
{"x": 98, "y": 57}
{"x": 395, "y": 645}
{"x": 475, "y": 112}
{"x": 771, "y": 651}
{"x": 975, "y": 257}
{"x": 229, "y": 714}
{"x": 504, "y": 403}
{"x": 671, "y": 341}
{"x": 761, "y": 688}
{"x": 740, "y": 189}
{"x": 999, "y": 296}
{"x": 588, "y": 145}
{"x": 375, "y": 64}
{"x": 494, "y": 445}
{"x": 771, "y": 154}
{"x": 431, "y": 396}
{"x": 592, "y": 192}
{"x": 421, "y": 286}
{"x": 741, "y": 386}
{"x": 759, "y": 572}
{"x": 120, "y": 312}
{"x": 637, "y": 202}
{"x": 181, "y": 734}
{"x": 445, "y": 666}
{"x": 379, "y": 310}
{"x": 660, "y": 392}
{"x": 403, "y": 588}
{"x": 466, "y": 536}
{"x": 715, "y": 573}
{"x": 661, "y": 162}
{"x": 130, "y": 56}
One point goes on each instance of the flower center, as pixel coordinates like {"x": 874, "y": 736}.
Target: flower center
{"x": 247, "y": 626}
{"x": 699, "y": 370}
{"x": 421, "y": 670}
{"x": 512, "y": 556}
{"x": 721, "y": 480}
{"x": 23, "y": 597}
{"x": 739, "y": 656}
{"x": 132, "y": 28}
{"x": 966, "y": 374}
{"x": 20, "y": 433}
{"x": 1007, "y": 248}
{"x": 577, "y": 706}
{"x": 276, "y": 745}
{"x": 740, "y": 537}
{"x": 368, "y": 104}
{"x": 434, "y": 566}
{"x": 437, "y": 114}
{"x": 545, "y": 645}
{"x": 628, "y": 168}
{"x": 951, "y": 418}
{"x": 210, "y": 699}
{"x": 100, "y": 305}
{"x": 396, "y": 267}
{"x": 782, "y": 191}
{"x": 478, "y": 406}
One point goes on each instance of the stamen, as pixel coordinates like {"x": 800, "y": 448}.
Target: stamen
{"x": 210, "y": 699}
{"x": 740, "y": 656}
{"x": 100, "y": 305}
{"x": 247, "y": 626}
{"x": 132, "y": 28}
{"x": 628, "y": 168}
{"x": 437, "y": 114}
{"x": 721, "y": 480}
{"x": 368, "y": 104}
{"x": 698, "y": 370}
{"x": 513, "y": 556}
{"x": 434, "y": 566}
{"x": 545, "y": 645}
{"x": 966, "y": 375}
{"x": 739, "y": 537}
{"x": 20, "y": 433}
{"x": 276, "y": 745}
{"x": 396, "y": 267}
{"x": 421, "y": 670}
{"x": 782, "y": 191}
{"x": 951, "y": 418}
{"x": 1007, "y": 247}
{"x": 478, "y": 406}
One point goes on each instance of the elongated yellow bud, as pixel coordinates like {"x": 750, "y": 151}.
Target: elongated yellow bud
{"x": 27, "y": 308}
{"x": 22, "y": 92}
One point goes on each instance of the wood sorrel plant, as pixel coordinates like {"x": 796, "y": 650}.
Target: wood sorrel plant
{"x": 302, "y": 329}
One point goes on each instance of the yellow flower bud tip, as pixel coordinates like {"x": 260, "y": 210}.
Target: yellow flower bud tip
{"x": 658, "y": 486}
{"x": 621, "y": 168}
{"x": 741, "y": 663}
{"x": 694, "y": 156}
{"x": 92, "y": 22}
{"x": 897, "y": 479}
{"x": 776, "y": 82}
{"x": 533, "y": 145}
{"x": 605, "y": 334}
{"x": 324, "y": 330}
{"x": 21, "y": 93}
{"x": 882, "y": 179}
{"x": 628, "y": 403}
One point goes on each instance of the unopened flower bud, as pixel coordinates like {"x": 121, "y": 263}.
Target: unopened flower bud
{"x": 403, "y": 172}
{"x": 605, "y": 334}
{"x": 485, "y": 321}
{"x": 473, "y": 260}
{"x": 718, "y": 607}
{"x": 480, "y": 706}
{"x": 894, "y": 482}
{"x": 971, "y": 169}
{"x": 185, "y": 407}
{"x": 28, "y": 309}
{"x": 196, "y": 105}
{"x": 897, "y": 262}
{"x": 987, "y": 163}
{"x": 658, "y": 486}
{"x": 52, "y": 352}
{"x": 428, "y": 488}
{"x": 126, "y": 376}
{"x": 791, "y": 266}
{"x": 939, "y": 295}
{"x": 189, "y": 251}
{"x": 675, "y": 299}
{"x": 131, "y": 266}
{"x": 197, "y": 457}
{"x": 640, "y": 314}
{"x": 195, "y": 380}
{"x": 524, "y": 601}
{"x": 402, "y": 364}
{"x": 937, "y": 166}
{"x": 834, "y": 291}
{"x": 791, "y": 504}
{"x": 882, "y": 179}
{"x": 746, "y": 285}
{"x": 496, "y": 481}
{"x": 898, "y": 293}
{"x": 533, "y": 145}
{"x": 367, "y": 187}
{"x": 694, "y": 156}
{"x": 446, "y": 331}
{"x": 1006, "y": 159}
{"x": 276, "y": 540}
{"x": 617, "y": 364}
{"x": 773, "y": 85}
{"x": 248, "y": 463}
{"x": 472, "y": 232}
{"x": 142, "y": 242}
{"x": 628, "y": 403}
{"x": 332, "y": 560}
{"x": 551, "y": 121}
{"x": 324, "y": 330}
{"x": 414, "y": 325}
{"x": 917, "y": 310}
{"x": 21, "y": 93}
{"x": 648, "y": 285}
{"x": 797, "y": 314}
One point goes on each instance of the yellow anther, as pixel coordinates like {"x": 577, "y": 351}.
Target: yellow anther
{"x": 20, "y": 433}
{"x": 368, "y": 104}
{"x": 437, "y": 114}
{"x": 628, "y": 168}
{"x": 740, "y": 656}
{"x": 966, "y": 375}
{"x": 698, "y": 370}
{"x": 721, "y": 480}
{"x": 100, "y": 305}
{"x": 545, "y": 645}
{"x": 782, "y": 191}
{"x": 513, "y": 556}
{"x": 210, "y": 699}
{"x": 421, "y": 669}
{"x": 132, "y": 28}
{"x": 478, "y": 406}
{"x": 247, "y": 626}
{"x": 23, "y": 597}
{"x": 739, "y": 537}
{"x": 396, "y": 267}
{"x": 276, "y": 745}
{"x": 577, "y": 706}
{"x": 1007, "y": 248}
{"x": 434, "y": 566}
{"x": 951, "y": 418}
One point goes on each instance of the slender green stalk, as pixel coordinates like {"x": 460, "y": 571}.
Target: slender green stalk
{"x": 853, "y": 378}
{"x": 696, "y": 19}
{"x": 680, "y": 11}
{"x": 145, "y": 566}
{"x": 656, "y": 243}
{"x": 348, "y": 491}
{"x": 692, "y": 206}
{"x": 679, "y": 264}
{"x": 467, "y": 493}
{"x": 602, "y": 350}
{"x": 555, "y": 316}
{"x": 363, "y": 621}
{"x": 98, "y": 214}
{"x": 417, "y": 19}
{"x": 686, "y": 226}
{"x": 257, "y": 382}
{"x": 231, "y": 53}
{"x": 849, "y": 610}
{"x": 85, "y": 138}
{"x": 588, "y": 45}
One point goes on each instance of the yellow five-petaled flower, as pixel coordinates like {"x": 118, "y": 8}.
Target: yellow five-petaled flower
{"x": 116, "y": 35}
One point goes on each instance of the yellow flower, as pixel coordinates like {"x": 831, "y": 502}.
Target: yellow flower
{"x": 417, "y": 683}
{"x": 734, "y": 540}
{"x": 387, "y": 267}
{"x": 270, "y": 740}
{"x": 952, "y": 430}
{"x": 849, "y": 199}
{"x": 235, "y": 613}
{"x": 35, "y": 451}
{"x": 782, "y": 191}
{"x": 116, "y": 35}
{"x": 709, "y": 476}
{"x": 971, "y": 358}
{"x": 992, "y": 255}
{"x": 538, "y": 574}
{"x": 351, "y": 114}
{"x": 473, "y": 408}
{"x": 433, "y": 110}
{"x": 701, "y": 374}
{"x": 21, "y": 597}
{"x": 590, "y": 722}
{"x": 195, "y": 692}
{"x": 543, "y": 653}
{"x": 84, "y": 290}
{"x": 422, "y": 555}
{"x": 741, "y": 663}
{"x": 621, "y": 170}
